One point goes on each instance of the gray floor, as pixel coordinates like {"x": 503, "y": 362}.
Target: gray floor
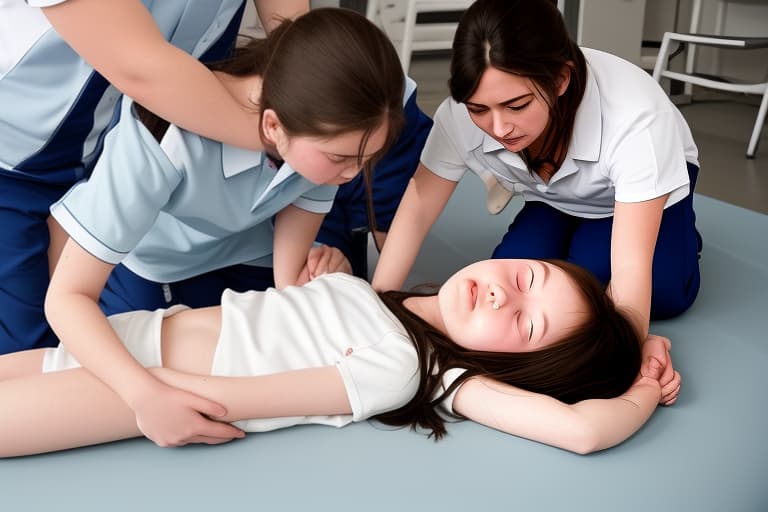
{"x": 721, "y": 126}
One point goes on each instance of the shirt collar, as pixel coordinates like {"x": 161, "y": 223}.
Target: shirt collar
{"x": 588, "y": 125}
{"x": 587, "y": 129}
{"x": 235, "y": 160}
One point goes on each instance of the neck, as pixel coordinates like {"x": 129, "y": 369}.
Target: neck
{"x": 246, "y": 90}
{"x": 426, "y": 308}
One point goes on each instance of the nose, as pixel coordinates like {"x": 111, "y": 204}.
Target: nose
{"x": 496, "y": 294}
{"x": 501, "y": 127}
{"x": 350, "y": 174}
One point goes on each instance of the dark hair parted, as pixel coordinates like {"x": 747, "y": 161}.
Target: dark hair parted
{"x": 527, "y": 38}
{"x": 598, "y": 359}
{"x": 328, "y": 72}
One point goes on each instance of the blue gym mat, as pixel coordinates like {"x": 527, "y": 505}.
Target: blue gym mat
{"x": 706, "y": 453}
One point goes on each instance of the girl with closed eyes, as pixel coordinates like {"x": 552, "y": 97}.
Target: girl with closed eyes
{"x": 604, "y": 161}
{"x": 532, "y": 348}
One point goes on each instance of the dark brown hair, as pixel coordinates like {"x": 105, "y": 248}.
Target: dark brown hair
{"x": 598, "y": 359}
{"x": 328, "y": 72}
{"x": 527, "y": 38}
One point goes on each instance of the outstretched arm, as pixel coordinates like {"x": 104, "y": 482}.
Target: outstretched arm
{"x": 305, "y": 392}
{"x": 134, "y": 56}
{"x": 166, "y": 415}
{"x": 295, "y": 232}
{"x": 423, "y": 202}
{"x": 584, "y": 427}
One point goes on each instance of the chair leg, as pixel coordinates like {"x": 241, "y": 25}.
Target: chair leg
{"x": 752, "y": 148}
{"x": 409, "y": 27}
{"x": 661, "y": 59}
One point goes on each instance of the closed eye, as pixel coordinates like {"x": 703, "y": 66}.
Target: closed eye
{"x": 530, "y": 332}
{"x": 518, "y": 107}
{"x": 337, "y": 159}
{"x": 530, "y": 285}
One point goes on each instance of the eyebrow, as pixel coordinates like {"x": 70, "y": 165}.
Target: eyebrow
{"x": 503, "y": 103}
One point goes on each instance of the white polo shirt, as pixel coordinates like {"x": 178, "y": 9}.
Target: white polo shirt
{"x": 54, "y": 108}
{"x": 182, "y": 208}
{"x": 630, "y": 144}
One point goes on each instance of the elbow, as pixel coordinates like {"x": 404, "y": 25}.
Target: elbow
{"x": 584, "y": 440}
{"x": 54, "y": 306}
{"x": 136, "y": 86}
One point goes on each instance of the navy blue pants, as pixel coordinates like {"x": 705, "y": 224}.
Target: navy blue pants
{"x": 24, "y": 240}
{"x": 541, "y": 231}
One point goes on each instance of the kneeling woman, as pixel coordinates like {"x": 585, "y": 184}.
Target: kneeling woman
{"x": 489, "y": 346}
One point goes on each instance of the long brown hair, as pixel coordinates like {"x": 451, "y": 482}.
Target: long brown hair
{"x": 527, "y": 38}
{"x": 598, "y": 359}
{"x": 328, "y": 72}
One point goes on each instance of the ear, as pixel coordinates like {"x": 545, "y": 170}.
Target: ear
{"x": 272, "y": 128}
{"x": 564, "y": 79}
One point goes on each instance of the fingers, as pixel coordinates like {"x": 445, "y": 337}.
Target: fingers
{"x": 662, "y": 339}
{"x": 325, "y": 259}
{"x": 208, "y": 440}
{"x": 652, "y": 368}
{"x": 216, "y": 430}
{"x": 206, "y": 407}
{"x": 667, "y": 375}
{"x": 670, "y": 391}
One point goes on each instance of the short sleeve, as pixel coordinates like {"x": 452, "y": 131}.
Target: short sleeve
{"x": 380, "y": 377}
{"x": 318, "y": 199}
{"x": 44, "y": 3}
{"x": 448, "y": 378}
{"x": 443, "y": 152}
{"x": 132, "y": 181}
{"x": 648, "y": 161}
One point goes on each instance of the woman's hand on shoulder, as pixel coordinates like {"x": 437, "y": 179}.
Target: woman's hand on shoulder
{"x": 325, "y": 259}
{"x": 657, "y": 365}
{"x": 173, "y": 417}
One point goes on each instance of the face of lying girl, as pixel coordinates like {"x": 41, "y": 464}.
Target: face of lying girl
{"x": 510, "y": 305}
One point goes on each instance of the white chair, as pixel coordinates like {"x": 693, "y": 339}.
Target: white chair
{"x": 689, "y": 76}
{"x": 398, "y": 19}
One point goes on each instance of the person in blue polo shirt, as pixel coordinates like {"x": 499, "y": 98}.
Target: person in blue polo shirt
{"x": 63, "y": 66}
{"x": 187, "y": 205}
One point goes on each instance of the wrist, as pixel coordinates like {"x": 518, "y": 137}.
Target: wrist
{"x": 141, "y": 390}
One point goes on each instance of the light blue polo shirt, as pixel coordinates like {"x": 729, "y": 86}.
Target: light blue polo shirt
{"x": 184, "y": 207}
{"x": 54, "y": 108}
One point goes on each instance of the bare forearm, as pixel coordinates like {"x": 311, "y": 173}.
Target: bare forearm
{"x": 134, "y": 56}
{"x": 87, "y": 334}
{"x": 585, "y": 427}
{"x": 295, "y": 232}
{"x": 312, "y": 391}
{"x": 609, "y": 422}
{"x": 423, "y": 202}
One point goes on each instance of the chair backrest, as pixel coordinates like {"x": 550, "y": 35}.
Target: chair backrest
{"x": 399, "y": 20}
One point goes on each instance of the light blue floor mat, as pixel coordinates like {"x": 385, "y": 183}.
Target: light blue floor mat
{"x": 706, "y": 453}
